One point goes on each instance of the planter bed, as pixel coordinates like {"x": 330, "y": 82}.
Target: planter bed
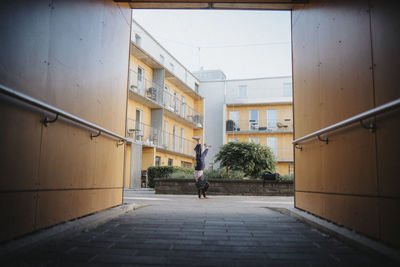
{"x": 224, "y": 187}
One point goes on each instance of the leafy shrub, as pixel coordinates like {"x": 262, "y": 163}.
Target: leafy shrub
{"x": 181, "y": 175}
{"x": 286, "y": 177}
{"x": 249, "y": 158}
{"x": 164, "y": 172}
{"x": 222, "y": 174}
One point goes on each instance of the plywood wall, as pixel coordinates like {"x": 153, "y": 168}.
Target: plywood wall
{"x": 73, "y": 55}
{"x": 345, "y": 60}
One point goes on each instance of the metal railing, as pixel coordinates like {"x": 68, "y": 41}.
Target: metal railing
{"x": 155, "y": 92}
{"x": 60, "y": 113}
{"x": 358, "y": 118}
{"x": 174, "y": 104}
{"x": 259, "y": 126}
{"x": 147, "y": 135}
{"x": 145, "y": 88}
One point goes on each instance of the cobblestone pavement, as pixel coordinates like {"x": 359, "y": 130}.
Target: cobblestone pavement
{"x": 186, "y": 231}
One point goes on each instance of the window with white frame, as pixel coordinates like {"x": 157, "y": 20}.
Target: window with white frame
{"x": 255, "y": 140}
{"x": 176, "y": 102}
{"x": 253, "y": 120}
{"x": 242, "y": 91}
{"x": 174, "y": 136}
{"x": 271, "y": 119}
{"x": 182, "y": 139}
{"x": 233, "y": 139}
{"x": 140, "y": 79}
{"x": 234, "y": 116}
{"x": 162, "y": 59}
{"x": 171, "y": 67}
{"x": 166, "y": 136}
{"x": 166, "y": 96}
{"x": 272, "y": 143}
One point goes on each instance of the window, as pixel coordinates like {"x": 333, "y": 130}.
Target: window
{"x": 234, "y": 116}
{"x": 174, "y": 136}
{"x": 166, "y": 96}
{"x": 170, "y": 162}
{"x": 242, "y": 91}
{"x": 233, "y": 139}
{"x": 162, "y": 59}
{"x": 137, "y": 39}
{"x": 183, "y": 106}
{"x": 287, "y": 89}
{"x": 171, "y": 67}
{"x": 196, "y": 87}
{"x": 186, "y": 164}
{"x": 272, "y": 143}
{"x": 139, "y": 125}
{"x": 253, "y": 120}
{"x": 166, "y": 141}
{"x": 271, "y": 119}
{"x": 176, "y": 101}
{"x": 255, "y": 140}
{"x": 140, "y": 79}
{"x": 158, "y": 161}
{"x": 182, "y": 138}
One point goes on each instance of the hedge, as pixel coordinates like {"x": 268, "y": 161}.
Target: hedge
{"x": 163, "y": 172}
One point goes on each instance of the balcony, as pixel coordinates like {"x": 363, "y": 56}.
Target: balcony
{"x": 258, "y": 126}
{"x": 144, "y": 91}
{"x": 181, "y": 112}
{"x": 146, "y": 135}
{"x": 152, "y": 95}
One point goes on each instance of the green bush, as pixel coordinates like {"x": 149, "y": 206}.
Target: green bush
{"x": 222, "y": 174}
{"x": 181, "y": 175}
{"x": 164, "y": 172}
{"x": 286, "y": 177}
{"x": 249, "y": 158}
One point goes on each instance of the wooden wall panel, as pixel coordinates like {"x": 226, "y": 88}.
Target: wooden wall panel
{"x": 109, "y": 163}
{"x": 359, "y": 213}
{"x": 68, "y": 164}
{"x": 306, "y": 93}
{"x": 385, "y": 28}
{"x": 348, "y": 162}
{"x": 345, "y": 60}
{"x": 18, "y": 213}
{"x": 389, "y": 210}
{"x": 62, "y": 205}
{"x": 20, "y": 147}
{"x": 356, "y": 174}
{"x": 307, "y": 175}
{"x": 73, "y": 55}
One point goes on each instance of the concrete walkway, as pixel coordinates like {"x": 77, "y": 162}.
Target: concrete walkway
{"x": 186, "y": 231}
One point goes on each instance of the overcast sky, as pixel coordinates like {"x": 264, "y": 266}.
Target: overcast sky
{"x": 243, "y": 44}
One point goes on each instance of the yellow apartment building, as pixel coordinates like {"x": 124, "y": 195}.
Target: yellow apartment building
{"x": 164, "y": 109}
{"x": 265, "y": 124}
{"x": 258, "y": 110}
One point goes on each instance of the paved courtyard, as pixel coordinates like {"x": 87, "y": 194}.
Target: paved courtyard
{"x": 186, "y": 231}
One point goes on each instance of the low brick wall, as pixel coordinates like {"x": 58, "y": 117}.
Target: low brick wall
{"x": 225, "y": 187}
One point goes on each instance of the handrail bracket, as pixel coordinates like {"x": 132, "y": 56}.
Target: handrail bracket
{"x": 371, "y": 127}
{"x": 298, "y": 147}
{"x": 120, "y": 142}
{"x": 323, "y": 140}
{"x": 95, "y": 135}
{"x": 47, "y": 121}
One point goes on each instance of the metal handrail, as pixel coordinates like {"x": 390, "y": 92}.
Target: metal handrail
{"x": 58, "y": 112}
{"x": 358, "y": 118}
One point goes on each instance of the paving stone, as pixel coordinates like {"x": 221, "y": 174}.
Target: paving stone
{"x": 185, "y": 232}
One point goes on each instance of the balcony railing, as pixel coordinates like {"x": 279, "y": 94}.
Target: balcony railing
{"x": 259, "y": 126}
{"x": 144, "y": 87}
{"x": 147, "y": 135}
{"x": 174, "y": 104}
{"x": 153, "y": 91}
